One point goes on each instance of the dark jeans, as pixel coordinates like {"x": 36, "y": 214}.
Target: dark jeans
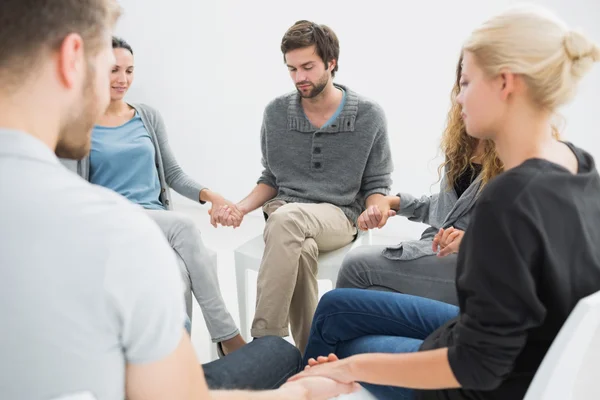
{"x": 432, "y": 277}
{"x": 354, "y": 321}
{"x": 264, "y": 363}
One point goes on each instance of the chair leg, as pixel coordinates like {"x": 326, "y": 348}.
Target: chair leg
{"x": 241, "y": 277}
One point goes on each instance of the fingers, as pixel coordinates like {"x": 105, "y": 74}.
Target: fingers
{"x": 450, "y": 249}
{"x": 452, "y": 237}
{"x": 391, "y": 213}
{"x": 332, "y": 357}
{"x": 374, "y": 215}
{"x": 361, "y": 222}
{"x": 436, "y": 240}
{"x": 382, "y": 221}
{"x": 444, "y": 240}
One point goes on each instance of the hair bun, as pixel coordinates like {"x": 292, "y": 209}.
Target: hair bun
{"x": 581, "y": 51}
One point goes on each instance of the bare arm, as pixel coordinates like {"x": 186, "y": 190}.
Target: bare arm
{"x": 421, "y": 370}
{"x": 259, "y": 196}
{"x": 177, "y": 376}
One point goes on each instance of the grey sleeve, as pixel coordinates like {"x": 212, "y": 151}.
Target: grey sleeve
{"x": 377, "y": 177}
{"x": 267, "y": 176}
{"x": 176, "y": 178}
{"x": 423, "y": 209}
{"x": 144, "y": 291}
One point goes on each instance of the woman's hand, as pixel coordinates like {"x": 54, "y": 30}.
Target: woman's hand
{"x": 447, "y": 241}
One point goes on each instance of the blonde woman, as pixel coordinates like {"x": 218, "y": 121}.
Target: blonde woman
{"x": 530, "y": 253}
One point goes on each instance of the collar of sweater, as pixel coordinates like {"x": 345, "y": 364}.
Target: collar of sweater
{"x": 298, "y": 121}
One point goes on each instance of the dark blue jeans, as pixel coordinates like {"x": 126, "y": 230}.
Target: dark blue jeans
{"x": 264, "y": 363}
{"x": 355, "y": 321}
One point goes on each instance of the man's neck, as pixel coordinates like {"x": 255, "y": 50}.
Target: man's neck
{"x": 328, "y": 99}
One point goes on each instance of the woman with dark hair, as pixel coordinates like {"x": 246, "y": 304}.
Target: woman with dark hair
{"x": 131, "y": 155}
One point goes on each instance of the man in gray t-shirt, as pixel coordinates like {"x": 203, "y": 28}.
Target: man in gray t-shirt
{"x": 90, "y": 294}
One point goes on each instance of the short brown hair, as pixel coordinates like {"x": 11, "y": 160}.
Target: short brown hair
{"x": 305, "y": 33}
{"x": 31, "y": 28}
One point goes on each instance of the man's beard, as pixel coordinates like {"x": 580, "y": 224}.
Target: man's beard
{"x": 317, "y": 88}
{"x": 74, "y": 139}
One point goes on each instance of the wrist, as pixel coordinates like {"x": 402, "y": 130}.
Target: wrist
{"x": 242, "y": 207}
{"x": 394, "y": 202}
{"x": 206, "y": 195}
{"x": 355, "y": 365}
{"x": 292, "y": 390}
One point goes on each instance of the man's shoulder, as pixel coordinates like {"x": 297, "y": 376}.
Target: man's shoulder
{"x": 280, "y": 103}
{"x": 86, "y": 208}
{"x": 369, "y": 108}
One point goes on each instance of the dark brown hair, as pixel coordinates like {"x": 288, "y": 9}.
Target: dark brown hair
{"x": 29, "y": 29}
{"x": 120, "y": 43}
{"x": 305, "y": 33}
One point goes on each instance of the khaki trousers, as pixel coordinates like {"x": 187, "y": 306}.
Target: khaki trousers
{"x": 287, "y": 290}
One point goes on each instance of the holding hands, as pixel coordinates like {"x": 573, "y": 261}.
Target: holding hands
{"x": 377, "y": 213}
{"x": 222, "y": 211}
{"x": 447, "y": 241}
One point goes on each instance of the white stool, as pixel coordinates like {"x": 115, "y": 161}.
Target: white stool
{"x": 248, "y": 257}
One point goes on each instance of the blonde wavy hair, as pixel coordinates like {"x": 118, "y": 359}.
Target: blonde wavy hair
{"x": 459, "y": 148}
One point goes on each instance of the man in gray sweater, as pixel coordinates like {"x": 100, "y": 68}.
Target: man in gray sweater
{"x": 326, "y": 156}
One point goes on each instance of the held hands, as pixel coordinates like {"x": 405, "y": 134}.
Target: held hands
{"x": 447, "y": 241}
{"x": 329, "y": 367}
{"x": 376, "y": 215}
{"x": 315, "y": 387}
{"x": 224, "y": 212}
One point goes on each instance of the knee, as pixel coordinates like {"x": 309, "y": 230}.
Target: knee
{"x": 284, "y": 217}
{"x": 332, "y": 302}
{"x": 352, "y": 266}
{"x": 283, "y": 350}
{"x": 310, "y": 249}
{"x": 184, "y": 224}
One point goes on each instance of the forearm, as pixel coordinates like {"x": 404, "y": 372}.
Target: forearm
{"x": 420, "y": 370}
{"x": 207, "y": 195}
{"x": 259, "y": 196}
{"x": 278, "y": 394}
{"x": 393, "y": 201}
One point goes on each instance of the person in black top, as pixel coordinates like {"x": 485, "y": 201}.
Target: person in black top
{"x": 531, "y": 251}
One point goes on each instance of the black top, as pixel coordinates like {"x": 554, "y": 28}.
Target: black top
{"x": 465, "y": 179}
{"x": 530, "y": 254}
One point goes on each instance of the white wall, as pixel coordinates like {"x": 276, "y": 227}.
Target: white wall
{"x": 210, "y": 67}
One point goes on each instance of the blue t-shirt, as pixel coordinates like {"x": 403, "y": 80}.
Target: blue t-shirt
{"x": 338, "y": 111}
{"x": 123, "y": 159}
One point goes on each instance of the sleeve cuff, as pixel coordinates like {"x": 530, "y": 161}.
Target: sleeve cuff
{"x": 268, "y": 182}
{"x": 407, "y": 204}
{"x": 381, "y": 191}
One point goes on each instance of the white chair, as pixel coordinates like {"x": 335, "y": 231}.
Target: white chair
{"x": 571, "y": 368}
{"x": 248, "y": 257}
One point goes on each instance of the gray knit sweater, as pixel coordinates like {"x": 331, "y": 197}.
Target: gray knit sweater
{"x": 341, "y": 164}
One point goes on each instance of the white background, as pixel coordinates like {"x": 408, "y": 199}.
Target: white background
{"x": 210, "y": 67}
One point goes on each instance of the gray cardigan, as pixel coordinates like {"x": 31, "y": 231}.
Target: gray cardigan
{"x": 441, "y": 210}
{"x": 170, "y": 173}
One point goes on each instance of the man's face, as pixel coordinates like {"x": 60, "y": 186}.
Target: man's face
{"x": 308, "y": 71}
{"x": 74, "y": 140}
